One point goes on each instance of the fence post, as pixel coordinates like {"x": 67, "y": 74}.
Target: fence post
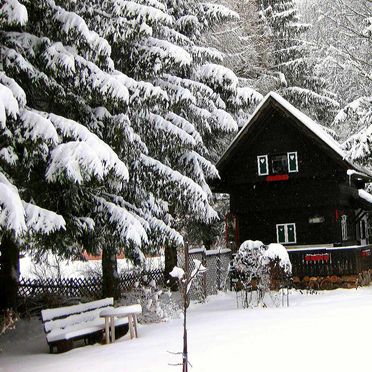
{"x": 204, "y": 262}
{"x": 218, "y": 269}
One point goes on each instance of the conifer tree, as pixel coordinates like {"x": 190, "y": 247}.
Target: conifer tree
{"x": 126, "y": 110}
{"x": 294, "y": 66}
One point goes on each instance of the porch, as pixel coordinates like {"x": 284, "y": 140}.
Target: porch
{"x": 331, "y": 267}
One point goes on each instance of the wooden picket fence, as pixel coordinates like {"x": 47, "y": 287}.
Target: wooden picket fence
{"x": 89, "y": 288}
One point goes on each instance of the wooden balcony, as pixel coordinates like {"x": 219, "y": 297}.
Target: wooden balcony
{"x": 331, "y": 261}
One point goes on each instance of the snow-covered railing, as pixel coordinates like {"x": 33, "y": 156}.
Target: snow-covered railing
{"x": 216, "y": 261}
{"x": 328, "y": 261}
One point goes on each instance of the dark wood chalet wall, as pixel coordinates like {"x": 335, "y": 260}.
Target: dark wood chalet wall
{"x": 275, "y": 136}
{"x": 319, "y": 188}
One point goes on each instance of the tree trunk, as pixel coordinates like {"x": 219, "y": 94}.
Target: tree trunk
{"x": 9, "y": 272}
{"x": 110, "y": 276}
{"x": 170, "y": 258}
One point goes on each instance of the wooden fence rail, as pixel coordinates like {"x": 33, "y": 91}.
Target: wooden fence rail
{"x": 90, "y": 288}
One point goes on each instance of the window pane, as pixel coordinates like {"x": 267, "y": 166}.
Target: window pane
{"x": 291, "y": 233}
{"x": 281, "y": 233}
{"x": 292, "y": 162}
{"x": 279, "y": 164}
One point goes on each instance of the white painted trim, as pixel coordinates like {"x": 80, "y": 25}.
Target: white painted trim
{"x": 258, "y": 165}
{"x": 288, "y": 154}
{"x": 277, "y": 232}
{"x": 286, "y": 233}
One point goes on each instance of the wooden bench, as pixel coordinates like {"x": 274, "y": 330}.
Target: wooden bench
{"x": 65, "y": 325}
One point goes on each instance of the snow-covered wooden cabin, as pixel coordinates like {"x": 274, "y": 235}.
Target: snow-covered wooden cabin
{"x": 289, "y": 182}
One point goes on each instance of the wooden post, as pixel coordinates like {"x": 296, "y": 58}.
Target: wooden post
{"x": 185, "y": 361}
{"x": 107, "y": 330}
{"x": 112, "y": 328}
{"x": 130, "y": 323}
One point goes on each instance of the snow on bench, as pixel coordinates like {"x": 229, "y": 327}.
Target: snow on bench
{"x": 65, "y": 324}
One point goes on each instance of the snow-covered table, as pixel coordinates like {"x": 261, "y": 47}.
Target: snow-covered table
{"x": 110, "y": 314}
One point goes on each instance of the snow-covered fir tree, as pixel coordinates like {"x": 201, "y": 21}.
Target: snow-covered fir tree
{"x": 342, "y": 31}
{"x": 125, "y": 110}
{"x": 200, "y": 98}
{"x": 293, "y": 65}
{"x": 51, "y": 168}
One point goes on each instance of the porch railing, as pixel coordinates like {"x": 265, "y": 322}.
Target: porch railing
{"x": 339, "y": 261}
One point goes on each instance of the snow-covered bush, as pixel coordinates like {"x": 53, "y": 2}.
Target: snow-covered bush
{"x": 157, "y": 303}
{"x": 259, "y": 267}
{"x": 8, "y": 321}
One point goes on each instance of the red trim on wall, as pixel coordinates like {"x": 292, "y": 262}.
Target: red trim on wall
{"x": 317, "y": 257}
{"x": 365, "y": 253}
{"x": 277, "y": 177}
{"x": 236, "y": 231}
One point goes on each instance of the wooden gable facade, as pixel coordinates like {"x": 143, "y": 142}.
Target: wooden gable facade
{"x": 289, "y": 182}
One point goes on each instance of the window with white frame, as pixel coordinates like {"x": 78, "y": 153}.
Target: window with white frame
{"x": 286, "y": 233}
{"x": 277, "y": 164}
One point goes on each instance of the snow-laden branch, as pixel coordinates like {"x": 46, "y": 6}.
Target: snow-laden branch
{"x": 12, "y": 214}
{"x": 83, "y": 158}
{"x": 8, "y": 105}
{"x": 13, "y": 13}
{"x": 193, "y": 196}
{"x": 41, "y": 220}
{"x": 128, "y": 227}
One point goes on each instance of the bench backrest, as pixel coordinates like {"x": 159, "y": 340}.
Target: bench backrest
{"x": 66, "y": 316}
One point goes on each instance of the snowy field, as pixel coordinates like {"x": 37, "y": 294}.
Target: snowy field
{"x": 328, "y": 331}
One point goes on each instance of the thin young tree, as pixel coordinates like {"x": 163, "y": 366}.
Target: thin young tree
{"x": 185, "y": 279}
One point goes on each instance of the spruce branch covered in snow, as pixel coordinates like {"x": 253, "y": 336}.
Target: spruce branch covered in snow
{"x": 108, "y": 114}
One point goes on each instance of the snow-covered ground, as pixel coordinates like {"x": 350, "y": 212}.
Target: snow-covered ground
{"x": 53, "y": 267}
{"x": 328, "y": 331}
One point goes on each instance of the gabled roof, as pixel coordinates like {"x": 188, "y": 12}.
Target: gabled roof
{"x": 309, "y": 125}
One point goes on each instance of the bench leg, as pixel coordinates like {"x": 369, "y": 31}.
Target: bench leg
{"x": 107, "y": 330}
{"x": 112, "y": 329}
{"x": 135, "y": 325}
{"x": 64, "y": 345}
{"x": 130, "y": 322}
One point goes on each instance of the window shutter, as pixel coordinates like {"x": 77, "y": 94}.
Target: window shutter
{"x": 291, "y": 232}
{"x": 280, "y": 231}
{"x": 263, "y": 165}
{"x": 292, "y": 162}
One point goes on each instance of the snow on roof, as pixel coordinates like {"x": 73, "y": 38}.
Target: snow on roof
{"x": 365, "y": 195}
{"x": 304, "y": 119}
